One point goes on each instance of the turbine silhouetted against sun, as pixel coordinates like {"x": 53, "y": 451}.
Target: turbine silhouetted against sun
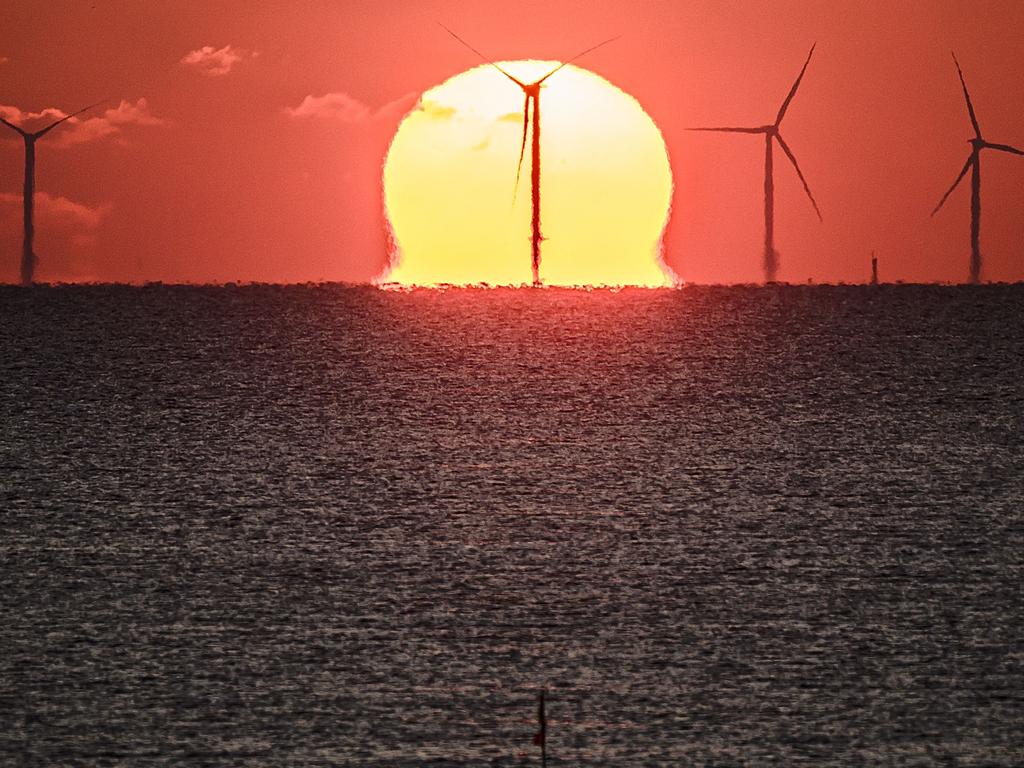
{"x": 452, "y": 201}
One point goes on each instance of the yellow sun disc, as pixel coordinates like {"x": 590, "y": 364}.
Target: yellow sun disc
{"x": 457, "y": 217}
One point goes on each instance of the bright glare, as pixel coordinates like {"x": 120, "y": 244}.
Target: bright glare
{"x": 449, "y": 179}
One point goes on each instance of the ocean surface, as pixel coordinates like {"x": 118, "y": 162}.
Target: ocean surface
{"x": 319, "y": 525}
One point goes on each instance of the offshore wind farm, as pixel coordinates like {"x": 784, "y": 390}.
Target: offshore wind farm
{"x": 323, "y": 442}
{"x": 600, "y": 188}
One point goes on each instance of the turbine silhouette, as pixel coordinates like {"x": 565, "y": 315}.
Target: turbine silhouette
{"x": 531, "y": 91}
{"x": 28, "y": 256}
{"x": 974, "y": 164}
{"x": 771, "y": 133}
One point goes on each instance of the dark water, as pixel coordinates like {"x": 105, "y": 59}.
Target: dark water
{"x": 324, "y": 526}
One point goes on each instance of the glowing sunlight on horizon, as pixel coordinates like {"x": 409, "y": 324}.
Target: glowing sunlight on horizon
{"x": 605, "y": 186}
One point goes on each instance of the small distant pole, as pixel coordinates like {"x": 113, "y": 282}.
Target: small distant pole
{"x": 874, "y": 269}
{"x": 540, "y": 738}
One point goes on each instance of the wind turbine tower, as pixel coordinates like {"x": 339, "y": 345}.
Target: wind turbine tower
{"x": 974, "y": 165}
{"x": 771, "y": 135}
{"x": 28, "y": 256}
{"x": 531, "y": 126}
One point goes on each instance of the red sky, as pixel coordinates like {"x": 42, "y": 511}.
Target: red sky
{"x": 221, "y": 173}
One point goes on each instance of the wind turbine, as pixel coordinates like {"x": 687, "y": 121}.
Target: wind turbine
{"x": 531, "y": 92}
{"x": 28, "y": 256}
{"x": 771, "y": 133}
{"x": 974, "y": 164}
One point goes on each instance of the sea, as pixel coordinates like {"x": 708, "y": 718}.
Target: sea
{"x": 330, "y": 525}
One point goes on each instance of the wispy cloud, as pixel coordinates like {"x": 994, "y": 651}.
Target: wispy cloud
{"x": 79, "y": 130}
{"x": 30, "y": 120}
{"x": 436, "y": 110}
{"x": 111, "y": 122}
{"x": 60, "y": 212}
{"x": 216, "y": 62}
{"x": 341, "y": 108}
{"x": 331, "y": 106}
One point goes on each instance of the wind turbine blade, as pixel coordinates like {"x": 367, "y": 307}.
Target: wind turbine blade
{"x": 963, "y": 172}
{"x": 792, "y": 91}
{"x": 12, "y": 126}
{"x": 792, "y": 159}
{"x": 518, "y": 82}
{"x": 577, "y": 57}
{"x": 522, "y": 147}
{"x": 1004, "y": 148}
{"x": 51, "y": 126}
{"x": 970, "y": 106}
{"x": 730, "y": 130}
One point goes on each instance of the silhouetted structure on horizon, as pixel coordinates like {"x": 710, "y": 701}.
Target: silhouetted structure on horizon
{"x": 874, "y": 269}
{"x": 771, "y": 132}
{"x": 28, "y": 256}
{"x": 974, "y": 164}
{"x": 532, "y": 94}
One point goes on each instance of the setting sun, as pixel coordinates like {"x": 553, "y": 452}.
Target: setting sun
{"x": 458, "y": 217}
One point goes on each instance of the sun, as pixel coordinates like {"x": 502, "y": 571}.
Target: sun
{"x": 458, "y": 217}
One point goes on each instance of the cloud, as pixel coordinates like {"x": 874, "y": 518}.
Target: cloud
{"x": 80, "y": 130}
{"x": 342, "y": 108}
{"x": 436, "y": 110}
{"x": 331, "y": 106}
{"x": 4, "y": 59}
{"x": 111, "y": 122}
{"x": 511, "y": 117}
{"x": 60, "y": 212}
{"x": 395, "y": 110}
{"x": 216, "y": 62}
{"x": 30, "y": 121}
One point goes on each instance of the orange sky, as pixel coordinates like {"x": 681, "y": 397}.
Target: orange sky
{"x": 260, "y": 159}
